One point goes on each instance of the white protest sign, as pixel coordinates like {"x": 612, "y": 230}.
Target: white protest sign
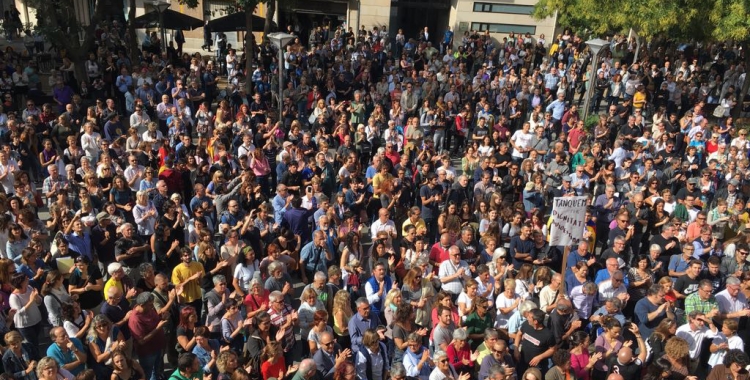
{"x": 568, "y": 220}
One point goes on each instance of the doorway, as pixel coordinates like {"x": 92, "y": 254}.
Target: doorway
{"x": 413, "y": 15}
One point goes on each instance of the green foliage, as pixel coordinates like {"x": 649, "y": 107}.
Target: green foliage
{"x": 189, "y": 3}
{"x": 701, "y": 20}
{"x": 590, "y": 123}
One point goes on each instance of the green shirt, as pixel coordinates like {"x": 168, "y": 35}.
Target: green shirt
{"x": 476, "y": 325}
{"x": 176, "y": 375}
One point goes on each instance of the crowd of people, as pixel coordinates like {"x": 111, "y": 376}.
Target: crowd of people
{"x": 182, "y": 217}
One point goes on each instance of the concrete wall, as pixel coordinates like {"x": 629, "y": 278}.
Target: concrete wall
{"x": 373, "y": 12}
{"x": 463, "y": 16}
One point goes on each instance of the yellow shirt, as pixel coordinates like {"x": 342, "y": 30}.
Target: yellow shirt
{"x": 377, "y": 181}
{"x": 419, "y": 224}
{"x": 191, "y": 290}
{"x": 112, "y": 282}
{"x": 639, "y": 100}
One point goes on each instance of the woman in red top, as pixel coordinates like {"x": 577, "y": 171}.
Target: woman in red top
{"x": 273, "y": 362}
{"x": 459, "y": 352}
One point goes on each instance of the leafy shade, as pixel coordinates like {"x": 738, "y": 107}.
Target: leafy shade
{"x": 686, "y": 20}
{"x": 681, "y": 19}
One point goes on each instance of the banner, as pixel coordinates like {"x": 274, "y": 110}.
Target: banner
{"x": 568, "y": 220}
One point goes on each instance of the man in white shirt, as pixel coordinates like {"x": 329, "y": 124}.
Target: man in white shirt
{"x": 550, "y": 294}
{"x": 732, "y": 302}
{"x": 8, "y": 168}
{"x": 521, "y": 142}
{"x": 453, "y": 272}
{"x": 698, "y": 328}
{"x": 134, "y": 173}
{"x": 383, "y": 224}
{"x": 139, "y": 119}
{"x": 614, "y": 287}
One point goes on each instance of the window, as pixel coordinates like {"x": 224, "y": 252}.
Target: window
{"x": 504, "y": 8}
{"x": 503, "y": 28}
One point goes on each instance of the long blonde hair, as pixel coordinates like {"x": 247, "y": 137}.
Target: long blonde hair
{"x": 342, "y": 303}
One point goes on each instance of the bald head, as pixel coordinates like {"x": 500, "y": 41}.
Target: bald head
{"x": 625, "y": 355}
{"x": 615, "y": 376}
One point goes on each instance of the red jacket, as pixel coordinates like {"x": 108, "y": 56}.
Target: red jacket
{"x": 461, "y": 126}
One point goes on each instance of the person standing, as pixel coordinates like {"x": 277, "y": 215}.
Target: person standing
{"x": 447, "y": 42}
{"x": 179, "y": 38}
{"x": 207, "y": 41}
{"x": 431, "y": 195}
{"x": 188, "y": 274}
{"x": 147, "y": 329}
{"x": 534, "y": 344}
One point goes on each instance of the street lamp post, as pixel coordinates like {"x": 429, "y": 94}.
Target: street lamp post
{"x": 280, "y": 39}
{"x": 595, "y": 46}
{"x": 160, "y": 7}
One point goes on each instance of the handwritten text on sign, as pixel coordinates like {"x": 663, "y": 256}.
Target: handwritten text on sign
{"x": 568, "y": 220}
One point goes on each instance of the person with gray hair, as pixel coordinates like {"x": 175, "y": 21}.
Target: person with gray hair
{"x": 216, "y": 300}
{"x": 732, "y": 301}
{"x": 562, "y": 321}
{"x": 460, "y": 345}
{"x": 520, "y": 316}
{"x": 130, "y": 250}
{"x": 417, "y": 360}
{"x": 491, "y": 336}
{"x": 614, "y": 287}
{"x": 453, "y": 273}
{"x": 398, "y": 371}
{"x": 443, "y": 368}
{"x": 306, "y": 370}
{"x": 611, "y": 307}
{"x": 314, "y": 256}
{"x": 361, "y": 322}
{"x": 283, "y": 317}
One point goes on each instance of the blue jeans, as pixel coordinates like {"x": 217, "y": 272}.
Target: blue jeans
{"x": 153, "y": 365}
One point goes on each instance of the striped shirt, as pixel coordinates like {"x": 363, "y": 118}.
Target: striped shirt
{"x": 278, "y": 319}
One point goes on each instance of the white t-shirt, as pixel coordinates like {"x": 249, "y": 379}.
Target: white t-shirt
{"x": 465, "y": 299}
{"x": 8, "y": 181}
{"x": 244, "y": 274}
{"x": 522, "y": 140}
{"x": 502, "y": 302}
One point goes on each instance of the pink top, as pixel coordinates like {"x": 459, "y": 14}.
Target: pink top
{"x": 578, "y": 364}
{"x": 260, "y": 167}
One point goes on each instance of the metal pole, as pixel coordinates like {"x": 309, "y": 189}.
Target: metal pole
{"x": 592, "y": 86}
{"x": 281, "y": 78}
{"x": 161, "y": 26}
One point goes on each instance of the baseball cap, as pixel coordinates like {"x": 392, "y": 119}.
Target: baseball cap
{"x": 103, "y": 216}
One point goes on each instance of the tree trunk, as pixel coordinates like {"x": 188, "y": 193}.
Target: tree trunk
{"x": 249, "y": 49}
{"x": 737, "y": 111}
{"x": 270, "y": 11}
{"x": 132, "y": 37}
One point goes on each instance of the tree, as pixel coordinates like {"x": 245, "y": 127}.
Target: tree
{"x": 57, "y": 22}
{"x": 687, "y": 20}
{"x": 249, "y": 6}
{"x": 132, "y": 36}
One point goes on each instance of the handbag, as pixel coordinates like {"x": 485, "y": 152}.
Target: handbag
{"x": 719, "y": 111}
